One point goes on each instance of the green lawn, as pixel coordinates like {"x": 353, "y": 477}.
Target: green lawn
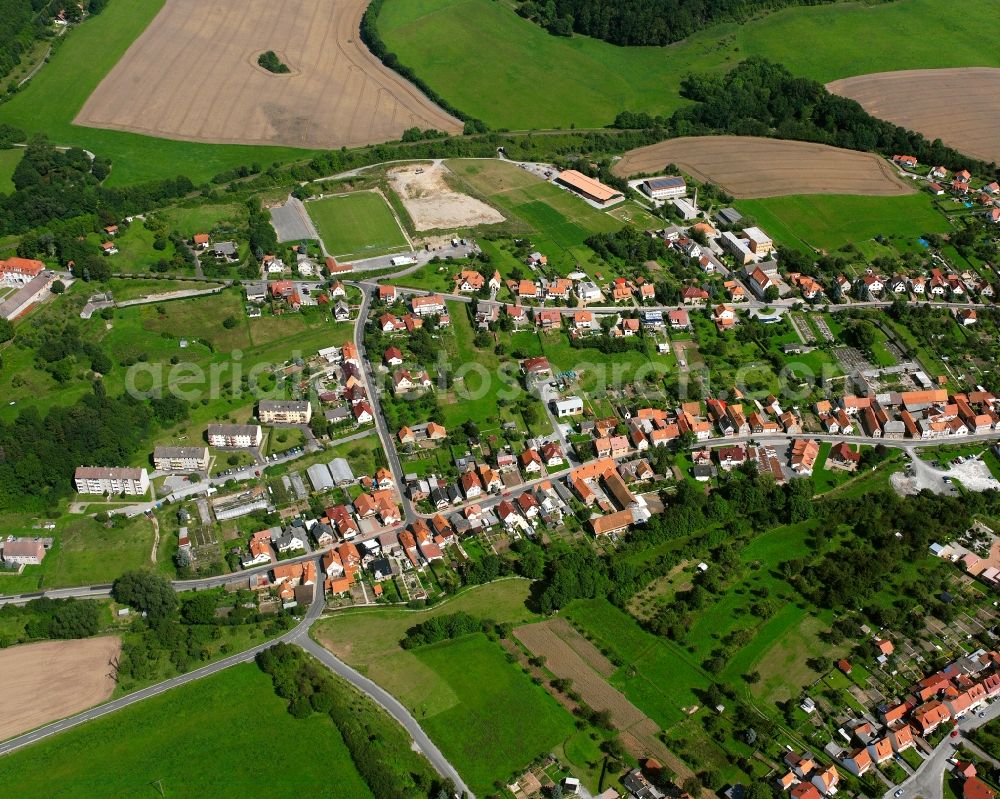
{"x": 84, "y": 553}
{"x": 358, "y": 225}
{"x": 535, "y": 80}
{"x": 208, "y": 738}
{"x": 9, "y": 159}
{"x": 498, "y": 720}
{"x": 456, "y": 688}
{"x": 51, "y": 100}
{"x": 828, "y": 221}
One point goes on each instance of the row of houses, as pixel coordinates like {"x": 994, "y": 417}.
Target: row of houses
{"x": 923, "y": 415}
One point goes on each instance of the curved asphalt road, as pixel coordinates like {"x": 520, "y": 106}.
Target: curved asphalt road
{"x": 298, "y": 635}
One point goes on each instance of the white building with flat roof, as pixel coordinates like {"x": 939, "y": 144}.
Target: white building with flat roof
{"x": 111, "y": 480}
{"x": 570, "y": 406}
{"x": 241, "y": 436}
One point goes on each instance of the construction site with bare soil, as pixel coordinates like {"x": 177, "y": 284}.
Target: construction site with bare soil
{"x": 433, "y": 205}
{"x": 194, "y": 75}
{"x": 959, "y": 106}
{"x": 749, "y": 167}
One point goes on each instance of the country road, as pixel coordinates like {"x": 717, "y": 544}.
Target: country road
{"x": 299, "y": 636}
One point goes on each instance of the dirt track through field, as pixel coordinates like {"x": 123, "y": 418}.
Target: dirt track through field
{"x": 959, "y": 106}
{"x": 747, "y": 166}
{"x": 193, "y": 75}
{"x": 50, "y": 680}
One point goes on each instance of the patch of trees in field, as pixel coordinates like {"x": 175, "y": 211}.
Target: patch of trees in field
{"x": 379, "y": 748}
{"x": 52, "y": 185}
{"x": 761, "y": 98}
{"x": 272, "y": 63}
{"x": 644, "y": 22}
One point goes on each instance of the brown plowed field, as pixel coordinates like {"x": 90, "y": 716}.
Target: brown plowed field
{"x": 959, "y": 106}
{"x": 54, "y": 679}
{"x": 193, "y": 75}
{"x": 747, "y": 166}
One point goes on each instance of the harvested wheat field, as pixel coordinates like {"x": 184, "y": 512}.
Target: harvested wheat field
{"x": 959, "y": 106}
{"x": 193, "y": 75}
{"x": 54, "y": 679}
{"x": 433, "y": 205}
{"x": 747, "y": 166}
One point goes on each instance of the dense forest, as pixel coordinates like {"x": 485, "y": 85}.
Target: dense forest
{"x": 644, "y": 22}
{"x": 761, "y": 98}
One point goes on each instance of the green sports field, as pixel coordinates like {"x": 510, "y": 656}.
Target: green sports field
{"x": 535, "y": 80}
{"x": 358, "y": 225}
{"x": 223, "y": 736}
{"x": 50, "y": 101}
{"x": 828, "y": 221}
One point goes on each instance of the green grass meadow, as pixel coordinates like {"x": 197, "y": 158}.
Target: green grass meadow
{"x": 223, "y": 736}
{"x": 9, "y": 159}
{"x": 829, "y": 221}
{"x": 456, "y": 689}
{"x": 499, "y": 720}
{"x": 51, "y": 100}
{"x": 358, "y": 225}
{"x": 535, "y": 80}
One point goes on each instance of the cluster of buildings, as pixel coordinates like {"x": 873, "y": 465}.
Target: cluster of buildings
{"x": 347, "y": 390}
{"x": 962, "y": 688}
{"x": 926, "y": 414}
{"x": 806, "y": 778}
{"x": 935, "y": 284}
{"x": 32, "y": 281}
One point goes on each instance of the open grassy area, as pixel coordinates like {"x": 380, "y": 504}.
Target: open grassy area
{"x": 828, "y": 221}
{"x": 85, "y": 552}
{"x": 9, "y": 159}
{"x": 484, "y": 742}
{"x": 455, "y": 688}
{"x": 658, "y": 677}
{"x": 192, "y": 741}
{"x": 51, "y": 100}
{"x": 358, "y": 225}
{"x": 535, "y": 80}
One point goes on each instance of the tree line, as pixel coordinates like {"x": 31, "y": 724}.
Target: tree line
{"x": 761, "y": 98}
{"x": 644, "y": 22}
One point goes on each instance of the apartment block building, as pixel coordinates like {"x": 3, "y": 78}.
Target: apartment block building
{"x": 180, "y": 459}
{"x": 284, "y": 411}
{"x": 111, "y": 480}
{"x": 242, "y": 436}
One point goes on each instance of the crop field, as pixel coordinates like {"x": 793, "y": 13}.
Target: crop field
{"x": 191, "y": 741}
{"x": 536, "y": 80}
{"x": 357, "y": 225}
{"x": 9, "y": 159}
{"x": 193, "y": 75}
{"x": 959, "y": 106}
{"x": 54, "y": 679}
{"x": 747, "y": 166}
{"x": 829, "y": 221}
{"x": 49, "y": 102}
